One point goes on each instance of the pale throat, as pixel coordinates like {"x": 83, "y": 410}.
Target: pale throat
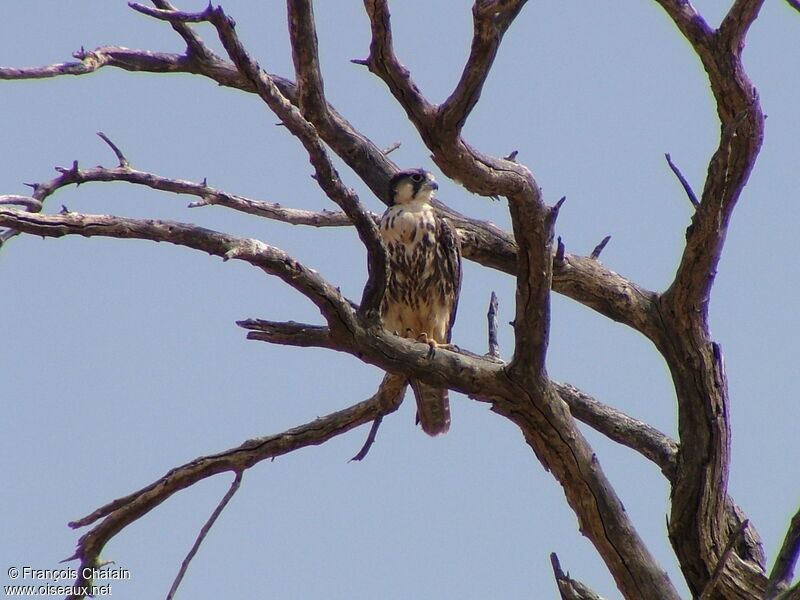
{"x": 422, "y": 199}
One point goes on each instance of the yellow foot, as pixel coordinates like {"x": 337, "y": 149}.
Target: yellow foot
{"x": 432, "y": 345}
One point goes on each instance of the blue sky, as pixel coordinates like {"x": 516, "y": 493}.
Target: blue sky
{"x": 121, "y": 359}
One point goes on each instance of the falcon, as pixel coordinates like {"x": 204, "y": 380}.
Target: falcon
{"x": 424, "y": 281}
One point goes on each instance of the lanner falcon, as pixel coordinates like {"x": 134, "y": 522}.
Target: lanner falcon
{"x": 424, "y": 280}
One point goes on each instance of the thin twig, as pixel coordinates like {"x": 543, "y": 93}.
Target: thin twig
{"x": 599, "y": 248}
{"x": 373, "y": 432}
{"x": 557, "y": 207}
{"x": 491, "y": 316}
{"x": 568, "y": 588}
{"x": 560, "y": 249}
{"x": 195, "y": 46}
{"x": 123, "y": 162}
{"x": 391, "y": 148}
{"x": 204, "y": 532}
{"x": 687, "y": 188}
{"x": 171, "y": 15}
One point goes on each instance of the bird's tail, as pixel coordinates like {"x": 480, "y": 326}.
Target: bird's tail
{"x": 433, "y": 407}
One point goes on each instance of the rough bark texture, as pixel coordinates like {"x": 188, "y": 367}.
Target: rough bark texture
{"x": 718, "y": 549}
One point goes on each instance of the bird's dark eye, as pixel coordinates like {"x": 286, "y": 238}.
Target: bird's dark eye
{"x": 417, "y": 177}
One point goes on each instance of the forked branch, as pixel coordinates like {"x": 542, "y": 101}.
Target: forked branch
{"x": 325, "y": 173}
{"x": 586, "y": 282}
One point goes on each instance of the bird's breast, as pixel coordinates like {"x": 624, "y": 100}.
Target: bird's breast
{"x": 409, "y": 225}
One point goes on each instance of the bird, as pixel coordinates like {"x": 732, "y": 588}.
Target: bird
{"x": 424, "y": 281}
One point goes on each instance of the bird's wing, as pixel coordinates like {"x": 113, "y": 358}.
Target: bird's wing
{"x": 451, "y": 258}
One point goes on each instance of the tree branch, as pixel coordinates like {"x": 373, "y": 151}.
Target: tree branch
{"x": 128, "y": 59}
{"x": 783, "y": 570}
{"x": 587, "y": 281}
{"x": 326, "y": 175}
{"x": 792, "y": 593}
{"x": 491, "y": 20}
{"x": 194, "y": 44}
{"x": 491, "y": 317}
{"x": 623, "y": 429}
{"x": 590, "y": 284}
{"x": 737, "y": 22}
{"x": 287, "y": 333}
{"x": 568, "y": 588}
{"x": 305, "y": 54}
{"x": 122, "y": 512}
{"x": 270, "y": 259}
{"x": 237, "y": 480}
{"x": 532, "y": 402}
{"x": 30, "y": 204}
{"x": 383, "y": 62}
{"x": 686, "y": 187}
{"x": 699, "y": 525}
{"x": 599, "y": 248}
{"x": 209, "y": 195}
{"x": 710, "y": 588}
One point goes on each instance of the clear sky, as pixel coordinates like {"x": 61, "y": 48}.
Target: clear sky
{"x": 120, "y": 359}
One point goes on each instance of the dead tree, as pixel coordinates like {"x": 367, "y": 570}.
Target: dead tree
{"x": 717, "y": 548}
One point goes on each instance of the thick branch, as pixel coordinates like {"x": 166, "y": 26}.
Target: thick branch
{"x": 556, "y": 440}
{"x": 326, "y": 175}
{"x": 491, "y": 20}
{"x": 699, "y": 527}
{"x": 465, "y": 372}
{"x": 533, "y": 231}
{"x": 592, "y": 284}
{"x": 383, "y": 62}
{"x": 532, "y": 402}
{"x": 303, "y": 37}
{"x": 586, "y": 282}
{"x": 481, "y": 174}
{"x": 742, "y": 130}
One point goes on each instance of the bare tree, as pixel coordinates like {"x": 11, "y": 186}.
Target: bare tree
{"x": 717, "y": 547}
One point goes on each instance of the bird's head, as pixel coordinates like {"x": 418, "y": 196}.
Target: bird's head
{"x": 411, "y": 185}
